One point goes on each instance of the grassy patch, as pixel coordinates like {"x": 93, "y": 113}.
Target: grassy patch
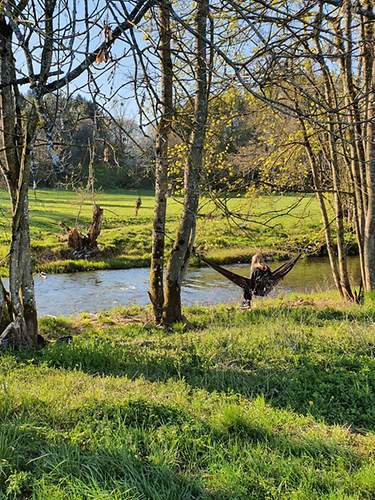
{"x": 277, "y": 402}
{"x": 126, "y": 240}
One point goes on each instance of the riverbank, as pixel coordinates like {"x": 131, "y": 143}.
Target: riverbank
{"x": 277, "y": 402}
{"x": 277, "y": 226}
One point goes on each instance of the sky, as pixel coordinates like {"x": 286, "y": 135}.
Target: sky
{"x": 111, "y": 79}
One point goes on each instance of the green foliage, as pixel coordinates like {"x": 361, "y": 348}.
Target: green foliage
{"x": 277, "y": 402}
{"x": 248, "y": 145}
{"x": 18, "y": 484}
{"x": 276, "y": 155}
{"x": 226, "y": 131}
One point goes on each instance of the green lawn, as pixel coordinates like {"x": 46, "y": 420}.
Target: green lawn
{"x": 278, "y": 402}
{"x": 126, "y": 239}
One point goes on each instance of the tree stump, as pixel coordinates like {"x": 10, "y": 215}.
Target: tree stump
{"x": 84, "y": 245}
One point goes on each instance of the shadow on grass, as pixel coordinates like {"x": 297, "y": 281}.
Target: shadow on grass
{"x": 71, "y": 462}
{"x": 233, "y": 424}
{"x": 108, "y": 445}
{"x": 341, "y": 391}
{"x": 324, "y": 381}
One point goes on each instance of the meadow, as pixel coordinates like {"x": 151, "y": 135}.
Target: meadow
{"x": 277, "y": 225}
{"x": 277, "y": 402}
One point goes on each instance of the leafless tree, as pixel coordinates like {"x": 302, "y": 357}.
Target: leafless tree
{"x": 45, "y": 47}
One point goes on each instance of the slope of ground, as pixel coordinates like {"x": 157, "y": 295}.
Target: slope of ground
{"x": 278, "y": 402}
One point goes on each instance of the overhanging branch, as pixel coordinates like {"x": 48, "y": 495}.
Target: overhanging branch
{"x": 135, "y": 16}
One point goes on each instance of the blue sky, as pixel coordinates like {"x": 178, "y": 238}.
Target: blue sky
{"x": 111, "y": 78}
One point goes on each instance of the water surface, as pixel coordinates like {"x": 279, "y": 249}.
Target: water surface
{"x": 69, "y": 294}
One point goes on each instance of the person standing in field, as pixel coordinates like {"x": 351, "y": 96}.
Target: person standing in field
{"x": 138, "y": 205}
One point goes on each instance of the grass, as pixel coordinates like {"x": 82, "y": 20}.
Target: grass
{"x": 277, "y": 402}
{"x": 126, "y": 240}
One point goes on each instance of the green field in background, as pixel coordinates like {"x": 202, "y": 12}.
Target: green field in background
{"x": 277, "y": 225}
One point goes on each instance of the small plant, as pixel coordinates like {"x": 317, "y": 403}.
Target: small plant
{"x": 18, "y": 484}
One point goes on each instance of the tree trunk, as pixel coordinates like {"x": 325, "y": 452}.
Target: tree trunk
{"x": 189, "y": 250}
{"x": 172, "y": 308}
{"x": 340, "y": 230}
{"x": 370, "y": 216}
{"x": 18, "y": 131}
{"x": 5, "y": 307}
{"x": 21, "y": 283}
{"x": 369, "y": 81}
{"x": 21, "y": 327}
{"x": 27, "y": 284}
{"x": 156, "y": 292}
{"x": 323, "y": 210}
{"x": 356, "y": 158}
{"x": 95, "y": 227}
{"x": 332, "y": 158}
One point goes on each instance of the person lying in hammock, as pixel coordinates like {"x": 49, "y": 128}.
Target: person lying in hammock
{"x": 260, "y": 274}
{"x": 261, "y": 281}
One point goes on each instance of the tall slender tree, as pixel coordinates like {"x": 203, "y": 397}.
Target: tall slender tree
{"x": 193, "y": 167}
{"x": 161, "y": 153}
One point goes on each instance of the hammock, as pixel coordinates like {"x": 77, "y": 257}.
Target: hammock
{"x": 269, "y": 281}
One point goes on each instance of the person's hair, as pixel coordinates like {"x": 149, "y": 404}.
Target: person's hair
{"x": 258, "y": 262}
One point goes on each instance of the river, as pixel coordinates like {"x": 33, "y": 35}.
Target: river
{"x": 69, "y": 294}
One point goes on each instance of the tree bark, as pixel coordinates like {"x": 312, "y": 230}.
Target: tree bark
{"x": 21, "y": 283}
{"x": 340, "y": 230}
{"x": 369, "y": 73}
{"x": 333, "y": 160}
{"x": 323, "y": 210}
{"x": 18, "y": 131}
{"x": 370, "y": 216}
{"x": 172, "y": 308}
{"x": 95, "y": 227}
{"x": 356, "y": 159}
{"x": 5, "y": 309}
{"x": 156, "y": 291}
